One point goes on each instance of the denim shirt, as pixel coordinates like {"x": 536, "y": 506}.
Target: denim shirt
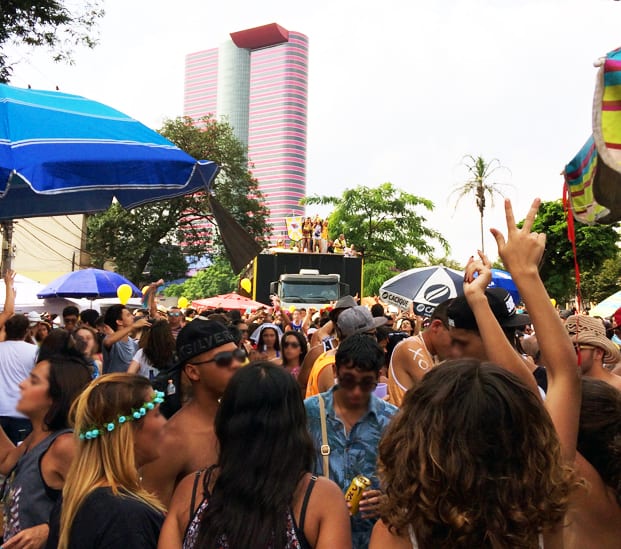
{"x": 353, "y": 453}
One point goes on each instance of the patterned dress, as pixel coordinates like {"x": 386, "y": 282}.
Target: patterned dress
{"x": 295, "y": 535}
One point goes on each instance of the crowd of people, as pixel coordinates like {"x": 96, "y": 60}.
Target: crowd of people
{"x": 478, "y": 427}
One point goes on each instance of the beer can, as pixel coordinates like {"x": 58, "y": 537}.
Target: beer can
{"x": 358, "y": 485}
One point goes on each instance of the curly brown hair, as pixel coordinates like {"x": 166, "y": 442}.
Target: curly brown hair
{"x": 472, "y": 460}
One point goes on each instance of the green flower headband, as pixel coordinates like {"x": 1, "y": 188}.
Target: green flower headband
{"x": 136, "y": 414}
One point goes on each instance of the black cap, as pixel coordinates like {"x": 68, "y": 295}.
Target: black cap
{"x": 201, "y": 336}
{"x": 460, "y": 314}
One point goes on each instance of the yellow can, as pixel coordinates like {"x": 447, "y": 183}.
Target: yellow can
{"x": 354, "y": 493}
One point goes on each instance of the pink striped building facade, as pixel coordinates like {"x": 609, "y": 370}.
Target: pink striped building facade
{"x": 277, "y": 97}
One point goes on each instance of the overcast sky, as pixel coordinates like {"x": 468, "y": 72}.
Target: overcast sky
{"x": 398, "y": 91}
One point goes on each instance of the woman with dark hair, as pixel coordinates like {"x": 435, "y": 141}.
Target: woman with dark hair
{"x": 294, "y": 348}
{"x": 87, "y": 342}
{"x": 261, "y": 492}
{"x": 266, "y": 338}
{"x": 157, "y": 352}
{"x": 37, "y": 468}
{"x": 58, "y": 342}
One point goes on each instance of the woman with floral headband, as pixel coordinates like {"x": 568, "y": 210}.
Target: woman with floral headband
{"x": 118, "y": 427}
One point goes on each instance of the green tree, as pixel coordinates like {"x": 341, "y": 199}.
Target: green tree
{"x": 130, "y": 237}
{"x": 214, "y": 280}
{"x": 383, "y": 223}
{"x": 166, "y": 262}
{"x": 47, "y": 23}
{"x": 594, "y": 245}
{"x": 479, "y": 184}
{"x": 598, "y": 285}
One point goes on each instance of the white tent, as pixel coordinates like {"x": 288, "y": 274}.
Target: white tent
{"x": 608, "y": 306}
{"x": 26, "y": 299}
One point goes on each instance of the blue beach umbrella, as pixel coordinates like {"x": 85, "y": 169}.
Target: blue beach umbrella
{"x": 502, "y": 279}
{"x": 64, "y": 154}
{"x": 87, "y": 283}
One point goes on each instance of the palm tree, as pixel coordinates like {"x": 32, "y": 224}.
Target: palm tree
{"x": 478, "y": 183}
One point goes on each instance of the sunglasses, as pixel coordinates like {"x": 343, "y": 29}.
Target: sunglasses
{"x": 224, "y": 359}
{"x": 349, "y": 382}
{"x": 174, "y": 314}
{"x": 293, "y": 344}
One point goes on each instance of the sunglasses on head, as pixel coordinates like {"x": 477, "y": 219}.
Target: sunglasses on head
{"x": 294, "y": 344}
{"x": 349, "y": 382}
{"x": 224, "y": 359}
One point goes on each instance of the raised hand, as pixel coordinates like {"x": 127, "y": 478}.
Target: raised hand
{"x": 482, "y": 268}
{"x": 523, "y": 249}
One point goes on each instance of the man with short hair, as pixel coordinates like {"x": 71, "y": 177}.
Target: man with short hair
{"x": 17, "y": 359}
{"x": 70, "y": 318}
{"x": 208, "y": 356}
{"x": 354, "y": 422}
{"x": 593, "y": 348}
{"x": 413, "y": 357}
{"x": 176, "y": 320}
{"x": 351, "y": 321}
{"x": 118, "y": 347}
{"x": 465, "y": 335}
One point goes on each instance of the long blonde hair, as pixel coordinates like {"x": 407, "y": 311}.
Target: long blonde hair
{"x": 108, "y": 459}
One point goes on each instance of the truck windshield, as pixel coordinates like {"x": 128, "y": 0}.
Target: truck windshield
{"x": 309, "y": 293}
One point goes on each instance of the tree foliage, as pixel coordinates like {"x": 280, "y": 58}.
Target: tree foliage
{"x": 47, "y": 23}
{"x": 214, "y": 280}
{"x": 478, "y": 183}
{"x": 383, "y": 223}
{"x": 130, "y": 237}
{"x": 594, "y": 245}
{"x": 597, "y": 286}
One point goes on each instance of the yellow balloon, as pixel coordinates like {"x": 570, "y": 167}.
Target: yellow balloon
{"x": 292, "y": 308}
{"x": 246, "y": 284}
{"x": 145, "y": 290}
{"x": 553, "y": 301}
{"x": 182, "y": 302}
{"x": 124, "y": 292}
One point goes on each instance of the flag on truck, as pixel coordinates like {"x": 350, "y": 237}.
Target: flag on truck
{"x": 294, "y": 227}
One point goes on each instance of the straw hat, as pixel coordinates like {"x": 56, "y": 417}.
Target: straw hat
{"x": 590, "y": 331}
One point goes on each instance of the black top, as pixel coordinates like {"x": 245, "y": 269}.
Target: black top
{"x": 106, "y": 521}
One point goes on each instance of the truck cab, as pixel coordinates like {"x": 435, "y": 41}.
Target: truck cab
{"x": 308, "y": 289}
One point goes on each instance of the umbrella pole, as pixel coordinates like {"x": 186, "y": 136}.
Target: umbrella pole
{"x": 7, "y": 246}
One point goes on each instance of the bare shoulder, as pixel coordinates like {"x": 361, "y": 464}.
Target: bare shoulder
{"x": 63, "y": 447}
{"x": 382, "y": 537}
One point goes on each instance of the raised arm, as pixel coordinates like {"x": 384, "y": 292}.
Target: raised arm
{"x": 9, "y": 300}
{"x": 521, "y": 253}
{"x": 497, "y": 347}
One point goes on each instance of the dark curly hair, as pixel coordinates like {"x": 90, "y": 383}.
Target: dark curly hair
{"x": 599, "y": 436}
{"x": 472, "y": 460}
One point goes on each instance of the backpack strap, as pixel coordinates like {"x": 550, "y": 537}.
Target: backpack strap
{"x": 325, "y": 447}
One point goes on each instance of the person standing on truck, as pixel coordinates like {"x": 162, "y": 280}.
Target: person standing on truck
{"x": 307, "y": 235}
{"x": 340, "y": 244}
{"x": 323, "y": 243}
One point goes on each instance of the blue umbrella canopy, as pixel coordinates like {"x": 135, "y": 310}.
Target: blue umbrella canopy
{"x": 88, "y": 283}
{"x": 502, "y": 279}
{"x": 62, "y": 154}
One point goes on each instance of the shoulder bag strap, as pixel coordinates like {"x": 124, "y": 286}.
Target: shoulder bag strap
{"x": 325, "y": 447}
